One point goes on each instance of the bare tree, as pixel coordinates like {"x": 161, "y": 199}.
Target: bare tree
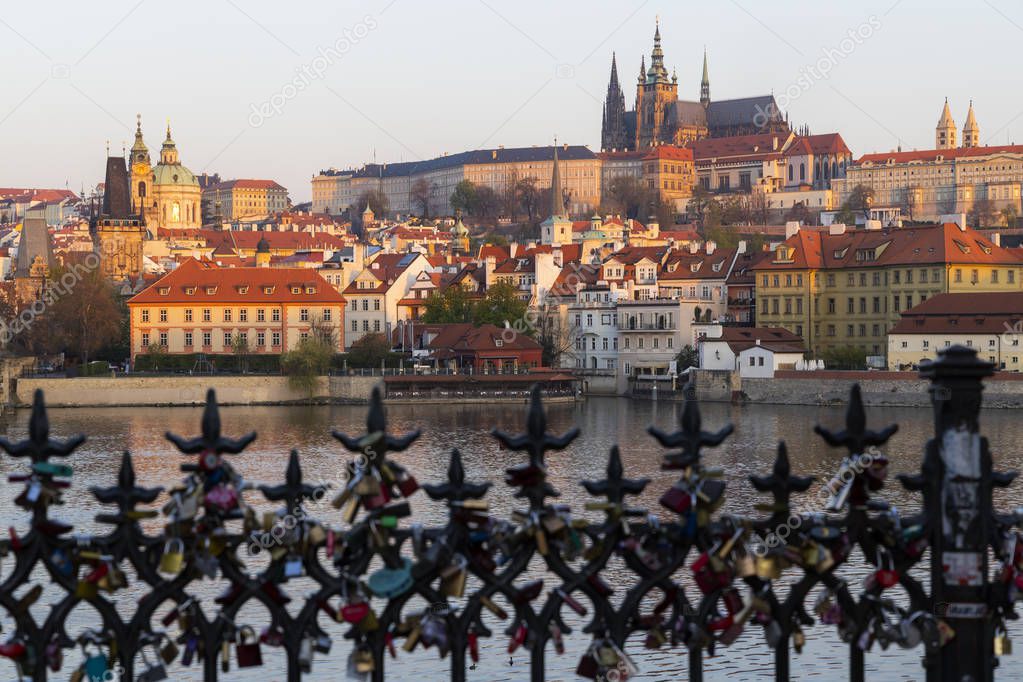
{"x": 421, "y": 190}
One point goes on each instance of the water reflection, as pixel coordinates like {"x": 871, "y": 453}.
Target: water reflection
{"x": 751, "y": 449}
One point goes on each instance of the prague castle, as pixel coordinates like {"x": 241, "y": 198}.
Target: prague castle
{"x": 661, "y": 118}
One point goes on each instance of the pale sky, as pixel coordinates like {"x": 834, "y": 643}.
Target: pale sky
{"x": 411, "y": 79}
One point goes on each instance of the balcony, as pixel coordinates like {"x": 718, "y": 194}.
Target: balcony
{"x": 648, "y": 327}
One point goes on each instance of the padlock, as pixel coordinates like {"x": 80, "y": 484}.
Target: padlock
{"x": 152, "y": 672}
{"x": 95, "y": 663}
{"x": 588, "y": 666}
{"x": 518, "y": 638}
{"x": 293, "y": 567}
{"x": 768, "y": 567}
{"x": 315, "y": 534}
{"x": 322, "y": 644}
{"x": 54, "y": 653}
{"x": 364, "y": 661}
{"x": 247, "y": 649}
{"x": 798, "y": 640}
{"x": 1003, "y": 645}
{"x": 453, "y": 577}
{"x": 173, "y": 556}
{"x": 677, "y": 499}
{"x": 305, "y": 655}
{"x": 168, "y": 649}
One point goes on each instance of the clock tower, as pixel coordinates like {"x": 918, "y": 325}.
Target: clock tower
{"x": 142, "y": 177}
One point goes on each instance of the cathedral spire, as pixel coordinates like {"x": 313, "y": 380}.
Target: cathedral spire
{"x": 971, "y": 131}
{"x": 642, "y": 68}
{"x": 705, "y": 83}
{"x": 613, "y": 130}
{"x": 657, "y": 73}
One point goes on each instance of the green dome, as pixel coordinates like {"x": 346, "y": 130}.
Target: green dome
{"x": 173, "y": 174}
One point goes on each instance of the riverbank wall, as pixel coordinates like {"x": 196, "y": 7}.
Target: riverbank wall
{"x": 189, "y": 390}
{"x": 902, "y": 389}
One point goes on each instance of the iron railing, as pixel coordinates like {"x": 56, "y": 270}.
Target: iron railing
{"x": 375, "y": 565}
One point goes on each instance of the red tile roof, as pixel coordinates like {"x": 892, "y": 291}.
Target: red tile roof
{"x": 246, "y": 183}
{"x": 237, "y": 285}
{"x": 989, "y": 313}
{"x": 670, "y": 152}
{"x": 933, "y": 154}
{"x": 776, "y": 339}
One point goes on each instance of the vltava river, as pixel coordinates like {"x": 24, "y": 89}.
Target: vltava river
{"x": 603, "y": 421}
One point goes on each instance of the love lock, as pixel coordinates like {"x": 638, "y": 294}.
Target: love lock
{"x": 392, "y": 582}
{"x": 247, "y": 650}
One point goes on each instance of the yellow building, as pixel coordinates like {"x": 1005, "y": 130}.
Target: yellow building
{"x": 243, "y": 198}
{"x": 200, "y": 307}
{"x": 990, "y": 323}
{"x": 946, "y": 180}
{"x": 841, "y": 289}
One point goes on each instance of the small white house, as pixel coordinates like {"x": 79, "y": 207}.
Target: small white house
{"x": 752, "y": 351}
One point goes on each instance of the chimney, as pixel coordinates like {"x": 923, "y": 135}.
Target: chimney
{"x": 997, "y": 238}
{"x": 791, "y": 228}
{"x": 741, "y": 248}
{"x": 758, "y": 342}
{"x": 774, "y": 143}
{"x": 693, "y": 247}
{"x": 710, "y": 247}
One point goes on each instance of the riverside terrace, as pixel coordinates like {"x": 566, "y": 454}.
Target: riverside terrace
{"x": 371, "y": 570}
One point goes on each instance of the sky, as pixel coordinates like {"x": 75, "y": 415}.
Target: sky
{"x": 264, "y": 89}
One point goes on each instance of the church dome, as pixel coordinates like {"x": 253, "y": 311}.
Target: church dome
{"x": 173, "y": 174}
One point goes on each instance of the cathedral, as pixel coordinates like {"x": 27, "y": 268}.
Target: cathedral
{"x": 661, "y": 118}
{"x": 166, "y": 195}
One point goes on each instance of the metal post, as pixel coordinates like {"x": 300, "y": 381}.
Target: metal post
{"x": 958, "y": 498}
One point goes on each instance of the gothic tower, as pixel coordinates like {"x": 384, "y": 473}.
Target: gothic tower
{"x": 971, "y": 131}
{"x": 557, "y": 229}
{"x": 945, "y": 132}
{"x": 613, "y": 134}
{"x": 118, "y": 232}
{"x": 705, "y": 83}
{"x": 655, "y": 94}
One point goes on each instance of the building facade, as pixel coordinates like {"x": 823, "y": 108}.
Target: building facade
{"x": 243, "y": 198}
{"x": 201, "y": 307}
{"x": 166, "y": 195}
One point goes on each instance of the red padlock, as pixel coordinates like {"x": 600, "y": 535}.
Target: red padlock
{"x": 518, "y": 639}
{"x": 355, "y": 612}
{"x": 677, "y": 500}
{"x": 474, "y": 646}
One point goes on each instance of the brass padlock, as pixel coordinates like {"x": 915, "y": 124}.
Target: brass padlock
{"x": 767, "y": 568}
{"x": 1003, "y": 645}
{"x": 453, "y": 578}
{"x": 316, "y": 535}
{"x": 173, "y": 556}
{"x": 364, "y": 662}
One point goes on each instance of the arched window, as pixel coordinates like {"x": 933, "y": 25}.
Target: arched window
{"x": 802, "y": 172}
{"x": 176, "y": 212}
{"x": 165, "y": 212}
{"x": 790, "y": 172}
{"x": 142, "y": 190}
{"x": 834, "y": 169}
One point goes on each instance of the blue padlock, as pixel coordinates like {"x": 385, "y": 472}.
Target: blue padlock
{"x": 392, "y": 582}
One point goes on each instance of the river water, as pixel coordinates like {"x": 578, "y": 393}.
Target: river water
{"x": 604, "y": 421}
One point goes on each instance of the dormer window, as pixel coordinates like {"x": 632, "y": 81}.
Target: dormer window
{"x": 268, "y": 290}
{"x": 296, "y": 290}
{"x": 243, "y": 289}
{"x": 310, "y": 290}
{"x": 210, "y": 291}
{"x": 164, "y": 291}
{"x": 190, "y": 291}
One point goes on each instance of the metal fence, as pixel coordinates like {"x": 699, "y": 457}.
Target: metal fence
{"x": 737, "y": 563}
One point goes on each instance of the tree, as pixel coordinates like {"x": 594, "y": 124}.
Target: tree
{"x": 555, "y": 337}
{"x": 240, "y": 348}
{"x": 800, "y": 213}
{"x": 377, "y": 201}
{"x": 627, "y": 196}
{"x": 87, "y": 316}
{"x": 501, "y": 304}
{"x": 488, "y": 204}
{"x": 451, "y": 305}
{"x": 983, "y": 213}
{"x": 464, "y": 197}
{"x": 698, "y": 203}
{"x": 156, "y": 355}
{"x": 421, "y": 191}
{"x": 686, "y": 358}
{"x": 528, "y": 197}
{"x": 758, "y": 208}
{"x": 1009, "y": 215}
{"x": 858, "y": 202}
{"x": 369, "y": 351}
{"x": 304, "y": 365}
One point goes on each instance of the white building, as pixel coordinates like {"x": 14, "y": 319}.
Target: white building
{"x": 752, "y": 351}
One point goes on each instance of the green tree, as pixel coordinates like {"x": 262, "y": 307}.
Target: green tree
{"x": 527, "y": 196}
{"x": 377, "y": 201}
{"x": 983, "y": 213}
{"x": 451, "y": 305}
{"x": 464, "y": 198}
{"x": 859, "y": 201}
{"x": 501, "y": 304}
{"x": 85, "y": 314}
{"x": 799, "y": 212}
{"x": 304, "y": 365}
{"x": 687, "y": 357}
{"x": 370, "y": 351}
{"x": 698, "y": 203}
{"x": 156, "y": 355}
{"x": 240, "y": 348}
{"x": 1008, "y": 215}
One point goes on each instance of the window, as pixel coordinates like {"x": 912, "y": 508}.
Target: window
{"x": 799, "y": 330}
{"x": 188, "y": 315}
{"x": 958, "y": 275}
{"x": 145, "y": 315}
{"x": 145, "y": 339}
{"x": 1011, "y": 276}
{"x": 227, "y": 339}
{"x": 163, "y": 339}
{"x": 604, "y": 343}
{"x": 831, "y": 305}
{"x": 799, "y": 280}
{"x": 863, "y": 305}
{"x": 905, "y": 344}
{"x": 896, "y": 307}
{"x": 355, "y": 325}
{"x": 671, "y": 342}
{"x": 788, "y": 280}
{"x": 207, "y": 314}
{"x": 275, "y": 339}
{"x": 927, "y": 344}
{"x": 275, "y": 315}
{"x": 850, "y": 331}
{"x": 243, "y": 315}
{"x": 163, "y": 314}
{"x": 850, "y": 305}
{"x": 752, "y": 361}
{"x": 376, "y": 304}
{"x": 261, "y": 315}
{"x": 365, "y": 325}
{"x": 799, "y": 306}
{"x": 227, "y": 314}
{"x": 326, "y": 314}
{"x": 994, "y": 277}
{"x": 656, "y": 342}
{"x": 260, "y": 339}
{"x": 639, "y": 343}
{"x": 188, "y": 339}
{"x": 626, "y": 343}
{"x": 376, "y": 325}
{"x": 207, "y": 339}
{"x": 303, "y": 315}
{"x": 877, "y": 304}
{"x": 365, "y": 305}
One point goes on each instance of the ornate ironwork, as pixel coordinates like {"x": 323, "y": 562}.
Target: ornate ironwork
{"x": 370, "y": 569}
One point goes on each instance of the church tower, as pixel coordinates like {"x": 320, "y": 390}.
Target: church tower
{"x": 656, "y": 93}
{"x": 971, "y": 131}
{"x": 945, "y": 132}
{"x": 118, "y": 232}
{"x": 705, "y": 83}
{"x": 141, "y": 175}
{"x": 613, "y": 134}
{"x": 557, "y": 229}
{"x": 459, "y": 237}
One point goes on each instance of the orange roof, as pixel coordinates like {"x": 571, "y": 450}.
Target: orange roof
{"x": 670, "y": 152}
{"x": 237, "y": 285}
{"x": 246, "y": 183}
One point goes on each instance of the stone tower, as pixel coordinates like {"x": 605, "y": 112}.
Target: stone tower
{"x": 971, "y": 131}
{"x": 613, "y": 134}
{"x": 945, "y": 132}
{"x": 656, "y": 93}
{"x": 459, "y": 236}
{"x": 557, "y": 229}
{"x": 35, "y": 260}
{"x": 118, "y": 231}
